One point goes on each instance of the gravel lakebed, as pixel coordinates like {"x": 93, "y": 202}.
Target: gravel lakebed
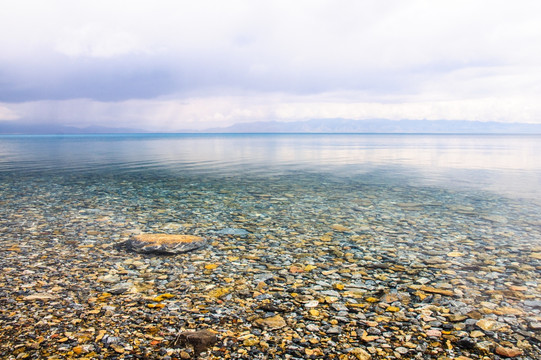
{"x": 297, "y": 266}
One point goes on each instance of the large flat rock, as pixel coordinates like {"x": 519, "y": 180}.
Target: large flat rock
{"x": 164, "y": 243}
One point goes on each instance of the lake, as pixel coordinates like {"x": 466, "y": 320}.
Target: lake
{"x": 412, "y": 236}
{"x": 503, "y": 164}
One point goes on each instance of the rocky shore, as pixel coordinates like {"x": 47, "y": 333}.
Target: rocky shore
{"x": 314, "y": 272}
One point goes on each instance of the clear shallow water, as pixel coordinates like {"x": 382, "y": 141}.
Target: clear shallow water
{"x": 503, "y": 164}
{"x": 207, "y": 178}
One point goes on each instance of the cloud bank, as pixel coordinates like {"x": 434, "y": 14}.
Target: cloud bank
{"x": 170, "y": 65}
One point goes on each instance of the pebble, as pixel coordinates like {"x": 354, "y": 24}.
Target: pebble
{"x": 360, "y": 354}
{"x": 491, "y": 325}
{"x": 508, "y": 352}
{"x": 120, "y": 288}
{"x": 334, "y": 330}
{"x": 272, "y": 323}
{"x": 466, "y": 343}
{"x": 533, "y": 303}
{"x": 433, "y": 332}
{"x": 233, "y": 231}
{"x": 402, "y": 350}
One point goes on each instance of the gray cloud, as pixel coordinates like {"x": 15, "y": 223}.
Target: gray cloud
{"x": 133, "y": 77}
{"x": 105, "y": 81}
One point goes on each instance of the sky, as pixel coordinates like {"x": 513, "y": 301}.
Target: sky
{"x": 173, "y": 65}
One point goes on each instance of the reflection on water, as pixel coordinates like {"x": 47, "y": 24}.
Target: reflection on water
{"x": 506, "y": 164}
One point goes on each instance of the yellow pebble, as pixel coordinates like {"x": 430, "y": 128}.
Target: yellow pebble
{"x": 339, "y": 286}
{"x": 104, "y": 296}
{"x": 162, "y": 297}
{"x": 251, "y": 341}
{"x": 309, "y": 267}
{"x": 219, "y": 292}
{"x": 156, "y": 306}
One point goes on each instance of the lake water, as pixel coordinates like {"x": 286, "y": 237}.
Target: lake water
{"x": 365, "y": 221}
{"x": 464, "y": 170}
{"x": 501, "y": 164}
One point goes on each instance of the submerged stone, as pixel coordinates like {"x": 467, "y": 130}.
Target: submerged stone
{"x": 120, "y": 288}
{"x": 491, "y": 325}
{"x": 40, "y": 296}
{"x": 200, "y": 340}
{"x": 271, "y": 323}
{"x": 360, "y": 354}
{"x": 164, "y": 243}
{"x": 508, "y": 352}
{"x": 233, "y": 231}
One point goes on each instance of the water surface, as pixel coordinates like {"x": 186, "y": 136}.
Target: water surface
{"x": 503, "y": 164}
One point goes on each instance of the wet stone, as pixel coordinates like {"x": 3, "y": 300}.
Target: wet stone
{"x": 491, "y": 325}
{"x": 233, "y": 232}
{"x": 334, "y": 330}
{"x": 508, "y": 352}
{"x": 339, "y": 307}
{"x": 533, "y": 303}
{"x": 120, "y": 288}
{"x": 40, "y": 296}
{"x": 164, "y": 243}
{"x": 402, "y": 350}
{"x": 271, "y": 323}
{"x": 466, "y": 343}
{"x": 312, "y": 304}
{"x": 200, "y": 340}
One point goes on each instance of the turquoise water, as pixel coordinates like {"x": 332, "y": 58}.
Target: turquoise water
{"x": 494, "y": 174}
{"x": 207, "y": 178}
{"x": 499, "y": 164}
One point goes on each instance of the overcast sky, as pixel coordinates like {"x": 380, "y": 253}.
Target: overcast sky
{"x": 166, "y": 65}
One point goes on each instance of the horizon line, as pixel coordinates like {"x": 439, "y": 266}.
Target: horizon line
{"x": 264, "y": 133}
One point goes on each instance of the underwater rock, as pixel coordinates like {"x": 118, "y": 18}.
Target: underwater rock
{"x": 164, "y": 243}
{"x": 271, "y": 323}
{"x": 40, "y": 296}
{"x": 508, "y": 352}
{"x": 200, "y": 340}
{"x": 233, "y": 232}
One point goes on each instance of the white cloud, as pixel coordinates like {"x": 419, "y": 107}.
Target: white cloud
{"x": 95, "y": 40}
{"x": 7, "y": 114}
{"x": 205, "y": 112}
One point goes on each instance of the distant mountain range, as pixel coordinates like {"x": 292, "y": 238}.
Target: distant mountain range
{"x": 381, "y": 126}
{"x": 15, "y": 128}
{"x": 377, "y": 126}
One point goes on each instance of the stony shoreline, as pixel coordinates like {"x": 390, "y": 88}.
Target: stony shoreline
{"x": 306, "y": 273}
